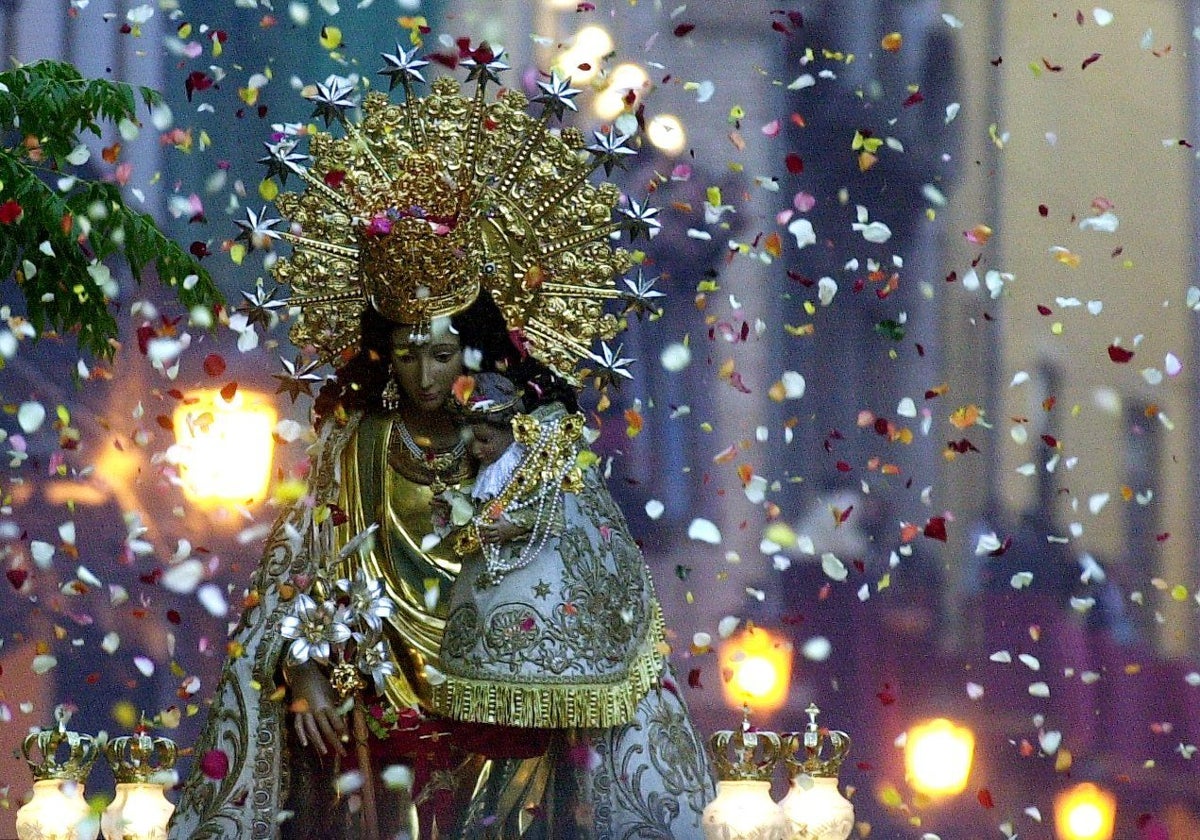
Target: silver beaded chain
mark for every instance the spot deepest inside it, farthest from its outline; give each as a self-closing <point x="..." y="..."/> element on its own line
<point x="422" y="454"/>
<point x="549" y="498"/>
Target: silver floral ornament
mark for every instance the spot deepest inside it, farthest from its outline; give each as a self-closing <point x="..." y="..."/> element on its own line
<point x="313" y="629"/>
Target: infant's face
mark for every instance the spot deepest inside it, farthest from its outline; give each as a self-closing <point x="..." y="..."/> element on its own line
<point x="488" y="442"/>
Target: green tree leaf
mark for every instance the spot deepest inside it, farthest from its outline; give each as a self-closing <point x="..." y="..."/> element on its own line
<point x="58" y="246"/>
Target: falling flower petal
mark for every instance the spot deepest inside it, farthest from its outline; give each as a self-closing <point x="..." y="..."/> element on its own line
<point x="802" y="229"/>
<point x="704" y="531"/>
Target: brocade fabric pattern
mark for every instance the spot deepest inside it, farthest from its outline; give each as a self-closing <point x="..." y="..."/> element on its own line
<point x="647" y="778"/>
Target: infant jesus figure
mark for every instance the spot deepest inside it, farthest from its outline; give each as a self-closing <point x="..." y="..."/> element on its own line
<point x="526" y="462"/>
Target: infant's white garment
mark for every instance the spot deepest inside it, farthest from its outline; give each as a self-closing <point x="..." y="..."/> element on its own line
<point x="492" y="479"/>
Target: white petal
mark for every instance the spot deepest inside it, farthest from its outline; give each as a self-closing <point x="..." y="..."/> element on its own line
<point x="833" y="567"/>
<point x="802" y="229"/>
<point x="42" y="553"/>
<point x="1103" y="17"/>
<point x="704" y="531"/>
<point x="79" y="155"/>
<point x="1106" y="222"/>
<point x="817" y="649"/>
<point x="213" y="600"/>
<point x="30" y="416"/>
<point x="183" y="578"/>
<point x="654" y="508"/>
<point x="756" y="489"/>
<point x="85" y="575"/>
<point x="827" y="287"/>
<point x="987" y="543"/>
<point x="675" y="357"/>
<point x="727" y="625"/>
<point x="793" y="385"/>
<point x="397" y="776"/>
<point x="145" y="665"/>
<point x="43" y="662"/>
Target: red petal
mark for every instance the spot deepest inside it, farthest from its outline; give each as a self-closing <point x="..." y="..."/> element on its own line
<point x="10" y="211"/>
<point x="214" y="364"/>
<point x="228" y="392"/>
<point x="935" y="528"/>
<point x="683" y="29"/>
<point x="795" y="163"/>
<point x="17" y="577"/>
<point x="1119" y="354"/>
<point x="214" y="764"/>
<point x="694" y="678"/>
<point x="985" y="798"/>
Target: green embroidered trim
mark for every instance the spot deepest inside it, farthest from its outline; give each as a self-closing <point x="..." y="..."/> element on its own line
<point x="558" y="705"/>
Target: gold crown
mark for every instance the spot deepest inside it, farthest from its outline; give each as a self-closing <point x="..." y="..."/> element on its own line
<point x="745" y="754"/>
<point x="805" y="751"/>
<point x="135" y="758"/>
<point x="41" y="752"/>
<point x="422" y="205"/>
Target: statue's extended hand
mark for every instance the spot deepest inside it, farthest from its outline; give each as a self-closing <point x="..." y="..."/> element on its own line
<point x="317" y="719"/>
<point x="501" y="531"/>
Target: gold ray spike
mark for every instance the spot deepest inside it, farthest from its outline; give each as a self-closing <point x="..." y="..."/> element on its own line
<point x="329" y="248"/>
<point x="535" y="327"/>
<point x="341" y="346"/>
<point x="537" y="132"/>
<point x="569" y="290"/>
<point x="319" y="300"/>
<point x="466" y="195"/>
<point x="333" y="196"/>
<point x="415" y="127"/>
<point x="574" y="240"/>
<point x="568" y="186"/>
<point x="363" y="146"/>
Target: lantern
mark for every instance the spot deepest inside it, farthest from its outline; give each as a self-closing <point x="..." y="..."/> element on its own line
<point x="139" y="811"/>
<point x="58" y="810"/>
<point x="814" y="807"/>
<point x="224" y="447"/>
<point x="743" y="808"/>
<point x="757" y="666"/>
<point x="938" y="756"/>
<point x="1085" y="812"/>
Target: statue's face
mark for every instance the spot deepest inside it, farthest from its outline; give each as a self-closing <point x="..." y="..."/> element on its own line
<point x="488" y="442"/>
<point x="426" y="371"/>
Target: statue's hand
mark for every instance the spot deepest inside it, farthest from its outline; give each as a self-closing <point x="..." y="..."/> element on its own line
<point x="315" y="713"/>
<point x="501" y="531"/>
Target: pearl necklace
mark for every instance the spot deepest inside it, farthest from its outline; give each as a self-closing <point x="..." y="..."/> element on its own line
<point x="436" y="464"/>
<point x="549" y="499"/>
